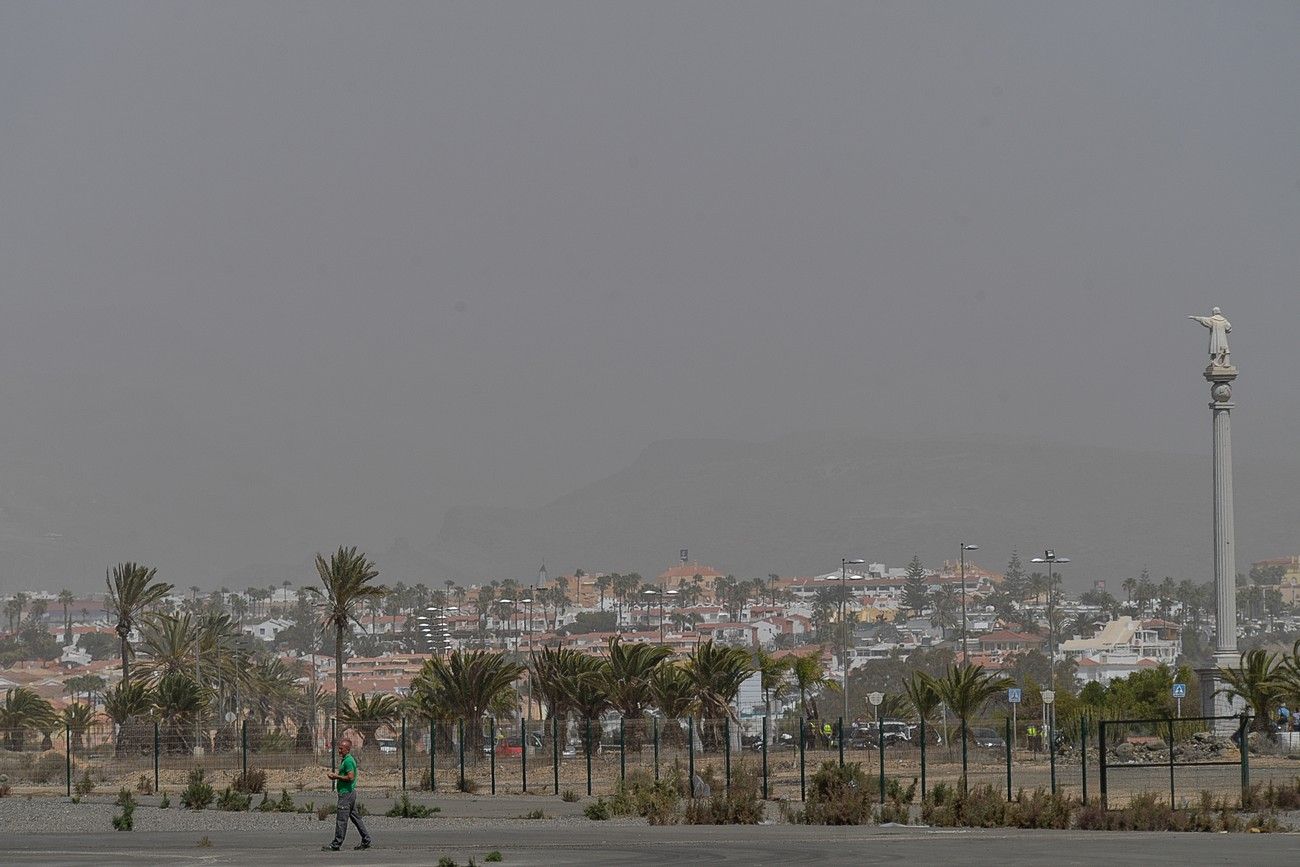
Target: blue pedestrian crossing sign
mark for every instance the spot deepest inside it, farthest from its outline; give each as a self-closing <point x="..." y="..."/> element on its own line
<point x="1180" y="690"/>
<point x="1013" y="695"/>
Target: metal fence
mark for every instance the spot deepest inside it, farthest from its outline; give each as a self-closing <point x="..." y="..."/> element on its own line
<point x="1106" y="759"/>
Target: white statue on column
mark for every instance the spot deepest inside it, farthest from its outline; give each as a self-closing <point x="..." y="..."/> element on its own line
<point x="1219" y="328"/>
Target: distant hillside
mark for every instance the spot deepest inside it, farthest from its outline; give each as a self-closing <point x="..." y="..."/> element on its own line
<point x="798" y="504"/>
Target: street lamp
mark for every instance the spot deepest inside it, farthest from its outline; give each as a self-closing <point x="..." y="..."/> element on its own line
<point x="1051" y="559"/>
<point x="964" y="549"/>
<point x="845" y="563"/>
<point x="661" y="594"/>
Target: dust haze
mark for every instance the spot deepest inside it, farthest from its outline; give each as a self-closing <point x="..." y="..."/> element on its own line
<point x="279" y="277"/>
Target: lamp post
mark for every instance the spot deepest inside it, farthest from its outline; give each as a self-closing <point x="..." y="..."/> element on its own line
<point x="1051" y="559"/>
<point x="528" y="707"/>
<point x="964" y="548"/>
<point x="661" y="594"/>
<point x="845" y="563"/>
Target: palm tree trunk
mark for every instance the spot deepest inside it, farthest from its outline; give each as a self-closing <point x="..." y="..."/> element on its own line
<point x="126" y="665"/>
<point x="338" y="682"/>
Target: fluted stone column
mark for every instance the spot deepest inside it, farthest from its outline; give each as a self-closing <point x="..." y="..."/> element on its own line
<point x="1220" y="378"/>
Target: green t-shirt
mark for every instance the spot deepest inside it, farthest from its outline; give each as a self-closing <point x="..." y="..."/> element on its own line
<point x="348" y="765"/>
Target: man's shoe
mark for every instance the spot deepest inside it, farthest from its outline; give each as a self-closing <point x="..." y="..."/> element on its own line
<point x="363" y="845"/>
<point x="329" y="848"/>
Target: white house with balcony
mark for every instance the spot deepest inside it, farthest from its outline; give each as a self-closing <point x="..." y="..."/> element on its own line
<point x="1122" y="647"/>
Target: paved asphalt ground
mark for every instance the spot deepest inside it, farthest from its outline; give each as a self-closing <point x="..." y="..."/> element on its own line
<point x="542" y="843"/>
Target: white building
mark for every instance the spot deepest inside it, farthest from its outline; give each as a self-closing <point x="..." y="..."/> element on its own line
<point x="1122" y="647"/>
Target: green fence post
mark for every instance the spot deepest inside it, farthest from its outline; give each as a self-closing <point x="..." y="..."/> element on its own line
<point x="881" y="745"/>
<point x="963" y="755"/>
<point x="690" y="753"/>
<point x="67" y="742"/>
<point x="1101" y="758"/>
<point x="157" y="742"/>
<point x="403" y="754"/>
<point x="588" y="756"/>
<point x="523" y="753"/>
<point x="1051" y="746"/>
<point x="243" y="748"/>
<point x="622" y="750"/>
<point x="803" y="787"/>
<point x="839" y="732"/>
<point x="433" y="755"/>
<point x="656" y="735"/>
<point x="922" y="758"/>
<point x="492" y="756"/>
<point x="1083" y="754"/>
<point x="1008" y="740"/>
<point x="1172" y="805"/>
<point x="555" y="749"/>
<point x="726" y="750"/>
<point x="765" y="787"/>
<point x="1245" y="756"/>
<point x="461" y="732"/>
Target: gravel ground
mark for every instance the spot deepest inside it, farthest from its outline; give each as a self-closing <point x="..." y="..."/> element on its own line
<point x="60" y="816"/>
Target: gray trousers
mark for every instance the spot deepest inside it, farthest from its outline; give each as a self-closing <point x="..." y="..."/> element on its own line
<point x="348" y="810"/>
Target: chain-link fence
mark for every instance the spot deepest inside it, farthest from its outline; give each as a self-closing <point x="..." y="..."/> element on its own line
<point x="1108" y="759"/>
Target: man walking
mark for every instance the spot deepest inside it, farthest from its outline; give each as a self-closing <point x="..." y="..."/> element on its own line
<point x="347" y="789"/>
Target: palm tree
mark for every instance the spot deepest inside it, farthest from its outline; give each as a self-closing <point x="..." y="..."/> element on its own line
<point x="23" y="709"/>
<point x="717" y="671"/>
<point x="78" y="718"/>
<point x="1260" y="680"/>
<point x="182" y="705"/>
<point x="628" y="672"/>
<point x="924" y="697"/>
<point x="773" y="675"/>
<point x="571" y="682"/>
<point x="464" y="685"/>
<point x="809" y="678"/>
<point x="131" y="590"/>
<point x="346" y="578"/>
<point x="65" y="599"/>
<point x="966" y="689"/>
<point x="365" y="715"/>
<point x="674" y="691"/>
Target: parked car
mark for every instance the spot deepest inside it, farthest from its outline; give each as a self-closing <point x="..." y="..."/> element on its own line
<point x="987" y="738"/>
<point x="867" y="736"/>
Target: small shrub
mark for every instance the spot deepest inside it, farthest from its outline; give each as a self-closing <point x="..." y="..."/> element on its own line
<point x="204" y="842"/>
<point x="405" y="808"/>
<point x="165" y="803"/>
<point x="251" y="783"/>
<point x="85" y="785"/>
<point x="198" y="793"/>
<point x="492" y="857"/>
<point x="467" y="785"/>
<point x="1041" y="809"/>
<point x="837" y="796"/>
<point x="444" y="861"/>
<point x="144" y="785"/>
<point x="568" y="796"/>
<point x="426" y="781"/>
<point x="598" y="810"/>
<point x="4" y="790"/>
<point x="233" y="801"/>
<point x="739" y="806"/>
<point x="47" y="768"/>
<point x="125" y="820"/>
<point x="309" y="807"/>
<point x="535" y="814"/>
<point x="323" y="813"/>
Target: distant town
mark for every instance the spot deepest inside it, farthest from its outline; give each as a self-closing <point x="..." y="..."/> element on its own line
<point x="865" y="625"/>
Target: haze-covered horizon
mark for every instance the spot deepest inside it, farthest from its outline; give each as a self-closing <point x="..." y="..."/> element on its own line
<point x="279" y="277"/>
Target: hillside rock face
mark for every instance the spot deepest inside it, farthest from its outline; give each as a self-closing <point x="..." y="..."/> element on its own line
<point x="796" y="505"/>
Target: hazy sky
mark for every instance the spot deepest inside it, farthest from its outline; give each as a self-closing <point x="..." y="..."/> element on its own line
<point x="355" y="262"/>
